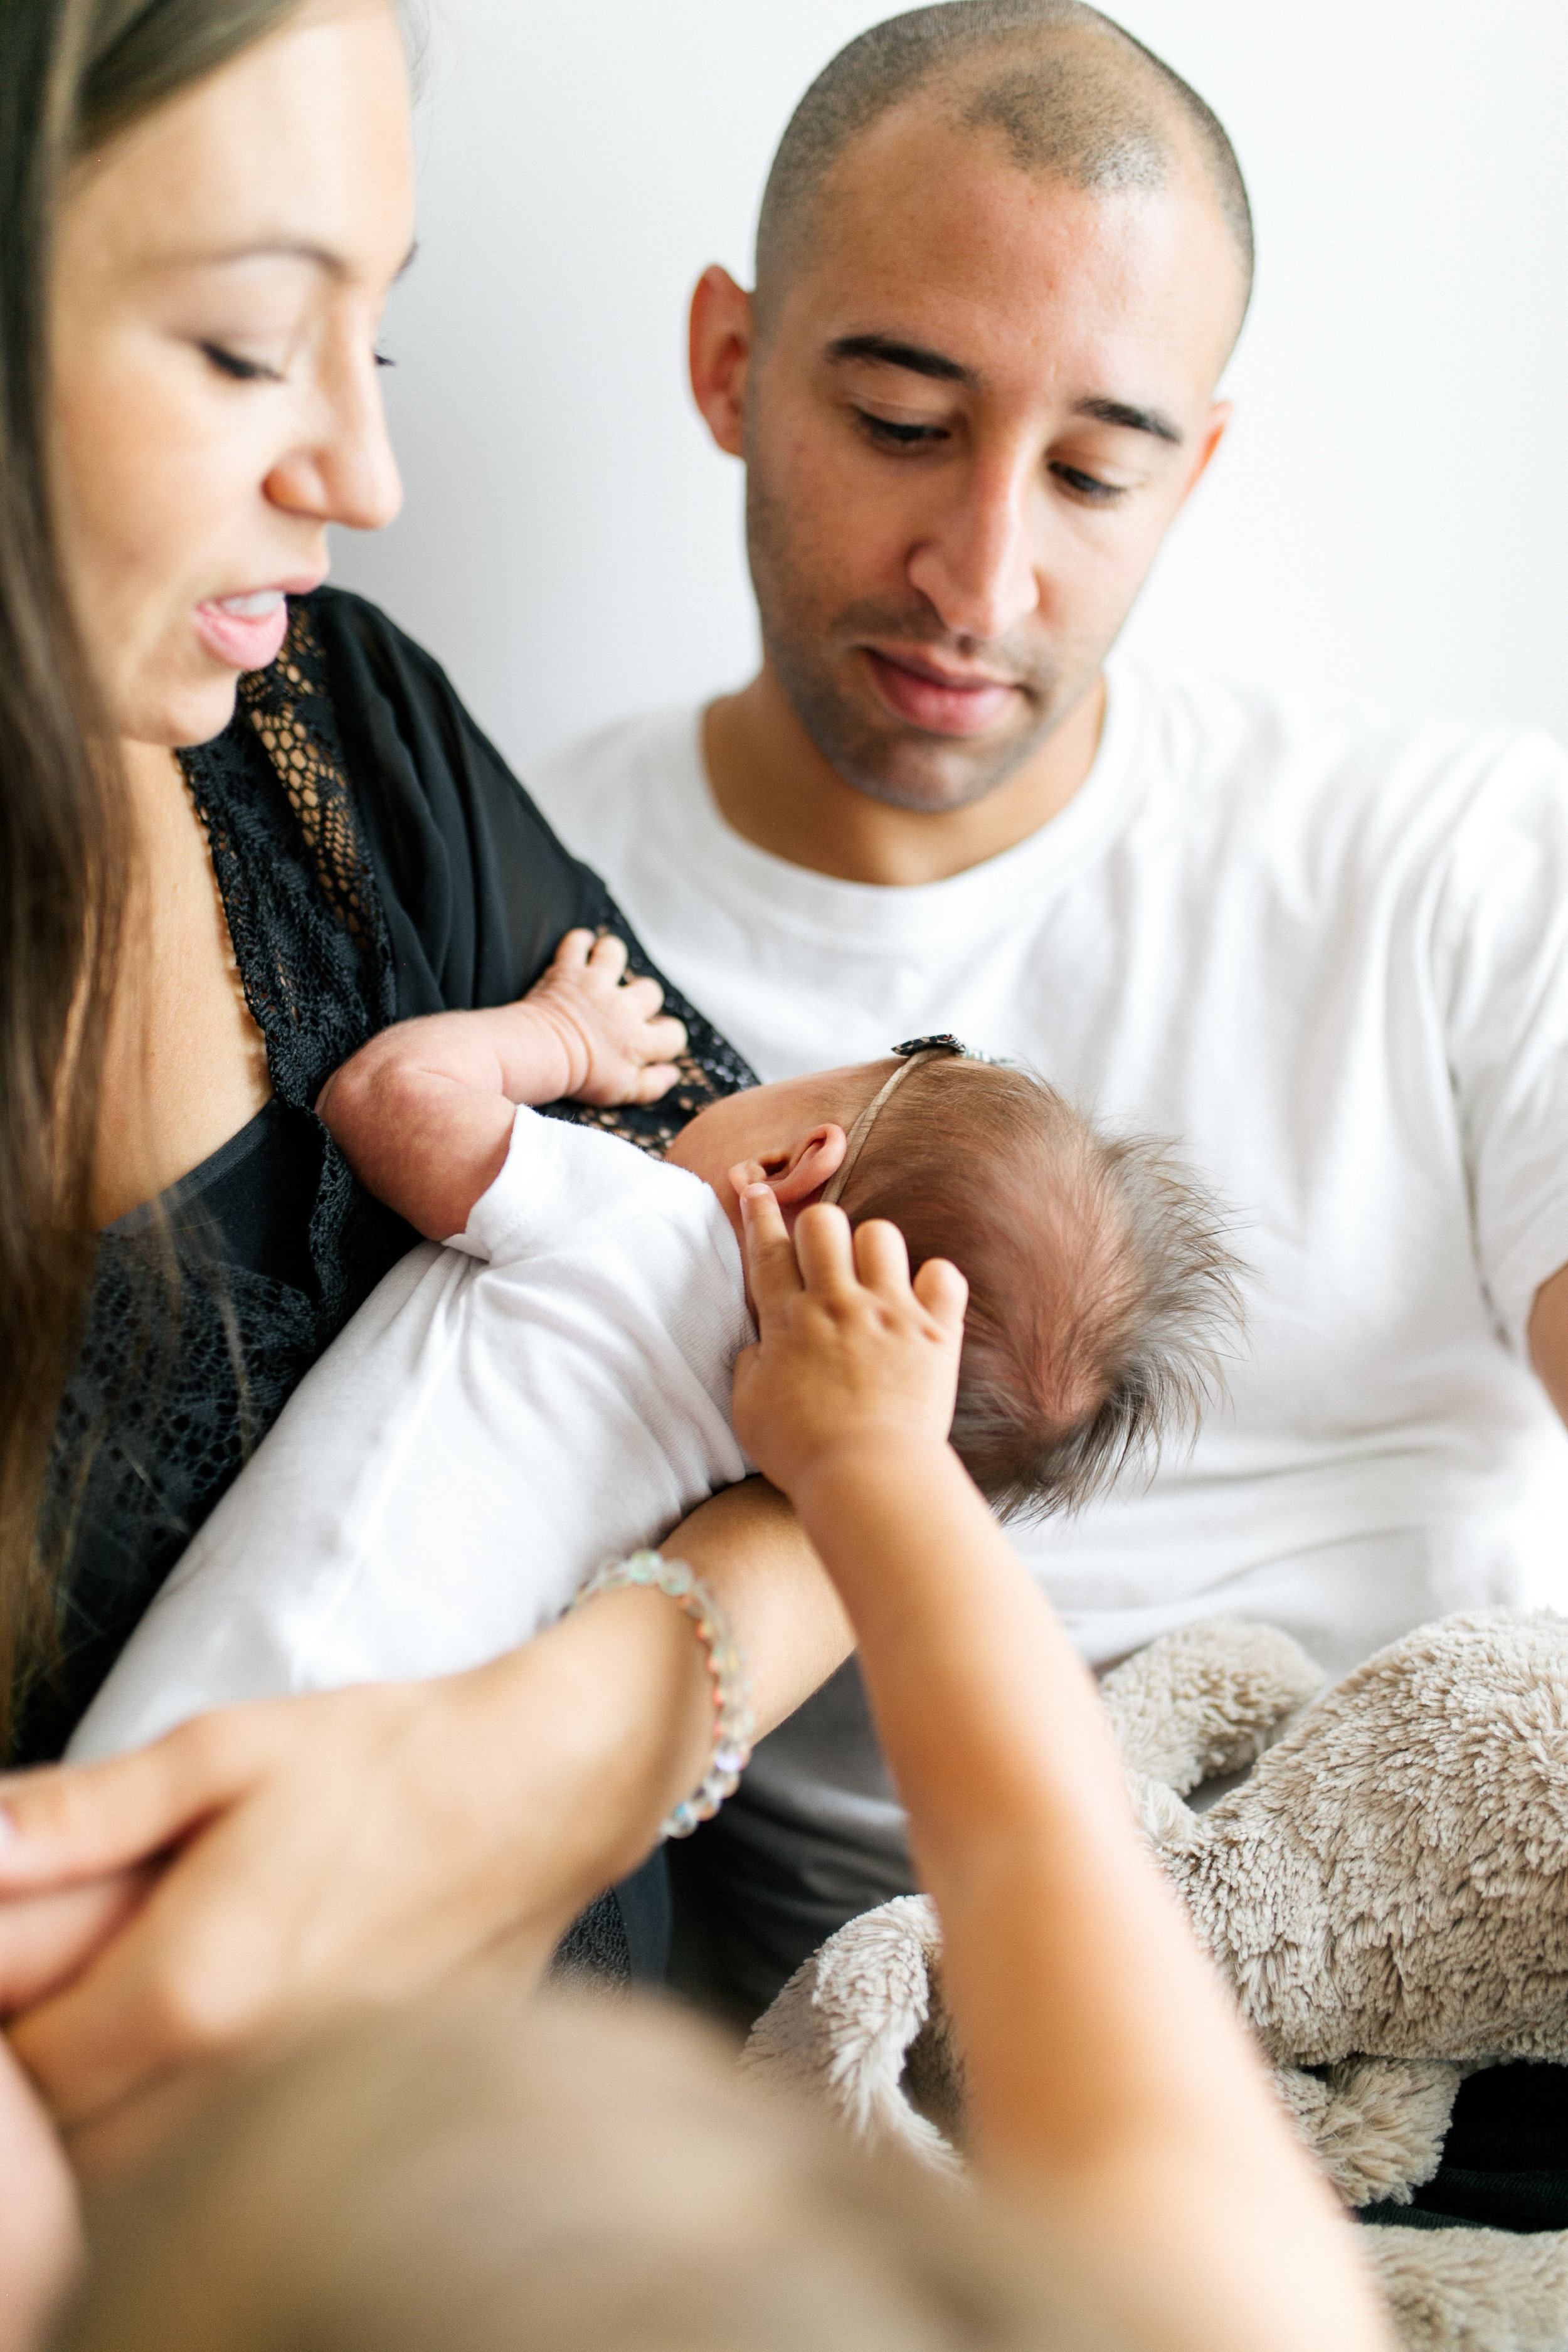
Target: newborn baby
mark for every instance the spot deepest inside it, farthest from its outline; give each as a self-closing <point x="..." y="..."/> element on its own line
<point x="550" y="1389"/>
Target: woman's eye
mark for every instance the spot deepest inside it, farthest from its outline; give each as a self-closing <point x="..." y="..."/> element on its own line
<point x="383" y="360"/>
<point x="1088" y="486"/>
<point x="239" y="370"/>
<point x="891" y="436"/>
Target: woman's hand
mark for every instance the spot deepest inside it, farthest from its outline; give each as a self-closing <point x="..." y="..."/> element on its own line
<point x="351" y="1847"/>
<point x="854" y="1359"/>
<point x="311" y="1853"/>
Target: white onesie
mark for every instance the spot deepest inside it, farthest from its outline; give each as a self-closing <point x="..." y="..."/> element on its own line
<point x="500" y="1418"/>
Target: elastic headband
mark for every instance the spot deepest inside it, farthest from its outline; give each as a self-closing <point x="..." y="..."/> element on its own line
<point x="915" y="1050"/>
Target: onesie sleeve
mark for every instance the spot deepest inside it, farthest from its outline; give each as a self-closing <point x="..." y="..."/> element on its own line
<point x="559" y="1181"/>
<point x="1500" y="965"/>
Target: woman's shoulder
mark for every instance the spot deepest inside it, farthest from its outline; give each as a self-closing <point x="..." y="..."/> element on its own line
<point x="475" y="886"/>
<point x="366" y="652"/>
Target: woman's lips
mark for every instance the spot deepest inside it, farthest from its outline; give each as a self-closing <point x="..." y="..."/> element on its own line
<point x="245" y="631"/>
<point x="939" y="706"/>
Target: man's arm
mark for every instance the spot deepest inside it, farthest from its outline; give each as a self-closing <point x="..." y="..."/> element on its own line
<point x="1548" y="1338"/>
<point x="424" y="1113"/>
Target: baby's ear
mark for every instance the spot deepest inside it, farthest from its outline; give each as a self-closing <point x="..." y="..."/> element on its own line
<point x="809" y="1164"/>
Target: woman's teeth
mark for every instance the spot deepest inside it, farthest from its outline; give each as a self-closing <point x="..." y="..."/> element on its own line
<point x="251" y="608"/>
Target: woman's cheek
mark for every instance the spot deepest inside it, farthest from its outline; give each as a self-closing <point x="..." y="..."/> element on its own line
<point x="155" y="490"/>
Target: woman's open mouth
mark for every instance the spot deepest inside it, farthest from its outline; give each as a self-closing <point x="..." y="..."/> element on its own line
<point x="247" y="632"/>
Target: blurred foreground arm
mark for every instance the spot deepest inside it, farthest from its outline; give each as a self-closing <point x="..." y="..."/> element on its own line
<point x="360" y="1845"/>
<point x="1107" y="2075"/>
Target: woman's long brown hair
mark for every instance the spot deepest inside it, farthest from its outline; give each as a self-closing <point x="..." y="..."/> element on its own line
<point x="73" y="73"/>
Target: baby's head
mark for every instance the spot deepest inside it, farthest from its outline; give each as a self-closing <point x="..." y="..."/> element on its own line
<point x="1102" y="1298"/>
<point x="580" y="2176"/>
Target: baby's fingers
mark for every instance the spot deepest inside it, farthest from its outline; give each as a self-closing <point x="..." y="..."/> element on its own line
<point x="653" y="1083"/>
<point x="608" y="957"/>
<point x="882" y="1258"/>
<point x="663" y="1040"/>
<point x="772" y="1272"/>
<point x="575" y="950"/>
<point x="824" y="1245"/>
<point x="943" y="1292"/>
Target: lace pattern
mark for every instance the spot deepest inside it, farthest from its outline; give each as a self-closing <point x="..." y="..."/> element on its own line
<point x="185" y="1362"/>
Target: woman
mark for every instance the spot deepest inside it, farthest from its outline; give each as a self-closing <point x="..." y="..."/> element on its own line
<point x="206" y="208"/>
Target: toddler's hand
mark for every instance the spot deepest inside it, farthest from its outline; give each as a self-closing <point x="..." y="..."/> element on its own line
<point x="619" y="1048"/>
<point x="854" y="1358"/>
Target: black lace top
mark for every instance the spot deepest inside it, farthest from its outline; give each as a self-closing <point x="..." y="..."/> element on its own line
<point x="376" y="860"/>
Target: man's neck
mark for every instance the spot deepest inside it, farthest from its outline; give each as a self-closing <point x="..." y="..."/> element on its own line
<point x="773" y="787"/>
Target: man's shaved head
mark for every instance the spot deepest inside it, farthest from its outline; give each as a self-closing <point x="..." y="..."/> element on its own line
<point x="1073" y="95"/>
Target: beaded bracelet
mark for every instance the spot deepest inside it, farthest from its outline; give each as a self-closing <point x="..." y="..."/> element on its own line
<point x="734" y="1724"/>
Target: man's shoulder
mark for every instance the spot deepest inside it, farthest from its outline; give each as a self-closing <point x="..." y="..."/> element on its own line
<point x="636" y="763"/>
<point x="1211" y="736"/>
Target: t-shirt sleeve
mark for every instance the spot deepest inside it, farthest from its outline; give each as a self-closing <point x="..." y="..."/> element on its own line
<point x="1501" y="941"/>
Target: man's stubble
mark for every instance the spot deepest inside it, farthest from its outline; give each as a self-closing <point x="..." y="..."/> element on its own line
<point x="806" y="642"/>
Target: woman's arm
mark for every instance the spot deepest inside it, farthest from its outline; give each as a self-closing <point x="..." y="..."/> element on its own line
<point x="1108" y="2077"/>
<point x="423" y="1113"/>
<point x="358" y="1845"/>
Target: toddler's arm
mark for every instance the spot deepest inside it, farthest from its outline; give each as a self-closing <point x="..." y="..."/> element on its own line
<point x="1108" y="2077"/>
<point x="424" y="1113"/>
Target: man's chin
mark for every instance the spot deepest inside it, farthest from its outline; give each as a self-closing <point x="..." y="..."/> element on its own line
<point x="929" y="778"/>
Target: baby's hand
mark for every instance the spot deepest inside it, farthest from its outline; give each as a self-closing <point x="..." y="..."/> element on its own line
<point x="854" y="1360"/>
<point x="619" y="1048"/>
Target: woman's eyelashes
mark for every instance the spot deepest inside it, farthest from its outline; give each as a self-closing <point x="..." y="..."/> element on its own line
<point x="239" y="369"/>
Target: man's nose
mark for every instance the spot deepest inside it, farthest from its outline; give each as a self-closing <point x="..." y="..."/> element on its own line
<point x="977" y="566"/>
<point x="345" y="471"/>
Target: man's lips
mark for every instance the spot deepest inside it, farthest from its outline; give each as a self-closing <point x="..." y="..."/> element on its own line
<point x="246" y="631"/>
<point x="940" y="701"/>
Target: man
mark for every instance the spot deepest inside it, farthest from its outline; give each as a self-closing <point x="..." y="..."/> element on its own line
<point x="1003" y="258"/>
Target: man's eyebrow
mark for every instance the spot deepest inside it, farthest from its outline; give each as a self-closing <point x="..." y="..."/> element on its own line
<point x="886" y="351"/>
<point x="1132" y="419"/>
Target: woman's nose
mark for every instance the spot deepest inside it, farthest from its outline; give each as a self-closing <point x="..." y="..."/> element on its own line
<point x="345" y="472"/>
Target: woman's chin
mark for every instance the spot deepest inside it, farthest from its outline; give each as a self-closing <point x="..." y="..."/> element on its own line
<point x="192" y="712"/>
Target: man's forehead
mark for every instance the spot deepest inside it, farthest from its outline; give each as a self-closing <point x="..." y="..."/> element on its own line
<point x="936" y="240"/>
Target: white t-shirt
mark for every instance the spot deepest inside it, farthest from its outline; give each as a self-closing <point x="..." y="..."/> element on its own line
<point x="1332" y="956"/>
<point x="498" y="1418"/>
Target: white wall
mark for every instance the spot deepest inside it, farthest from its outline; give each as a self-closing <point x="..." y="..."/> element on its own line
<point x="1389" y="521"/>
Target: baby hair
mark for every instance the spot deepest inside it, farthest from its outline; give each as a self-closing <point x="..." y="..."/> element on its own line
<point x="1103" y="1301"/>
<point x="582" y="2173"/>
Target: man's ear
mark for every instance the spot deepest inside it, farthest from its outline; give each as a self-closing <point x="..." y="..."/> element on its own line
<point x="1216" y="424"/>
<point x="797" y="1176"/>
<point x="720" y="347"/>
